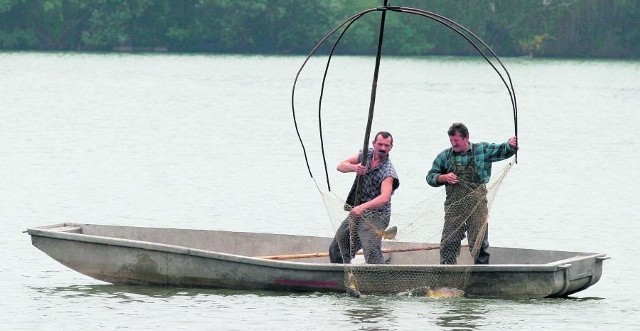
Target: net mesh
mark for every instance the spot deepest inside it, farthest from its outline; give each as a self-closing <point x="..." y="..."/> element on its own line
<point x="448" y="227"/>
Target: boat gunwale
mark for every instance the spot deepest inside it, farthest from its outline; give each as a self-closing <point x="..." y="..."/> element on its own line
<point x="50" y="232"/>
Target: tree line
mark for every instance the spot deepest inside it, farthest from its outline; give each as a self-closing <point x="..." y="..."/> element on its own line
<point x="540" y="28"/>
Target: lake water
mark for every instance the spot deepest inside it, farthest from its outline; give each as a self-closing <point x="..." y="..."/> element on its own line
<point x="208" y="142"/>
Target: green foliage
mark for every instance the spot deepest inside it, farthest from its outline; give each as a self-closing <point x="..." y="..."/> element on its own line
<point x="534" y="45"/>
<point x="7" y="5"/>
<point x="18" y="39"/>
<point x="570" y="28"/>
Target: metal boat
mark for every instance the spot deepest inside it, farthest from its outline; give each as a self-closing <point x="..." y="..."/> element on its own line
<point x="282" y="262"/>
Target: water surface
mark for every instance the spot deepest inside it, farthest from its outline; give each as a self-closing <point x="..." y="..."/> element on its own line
<point x="207" y="142"/>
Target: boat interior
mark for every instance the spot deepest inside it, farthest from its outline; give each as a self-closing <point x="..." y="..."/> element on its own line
<point x="298" y="248"/>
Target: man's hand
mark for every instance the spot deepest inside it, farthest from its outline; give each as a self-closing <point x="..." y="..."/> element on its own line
<point x="357" y="211"/>
<point x="449" y="178"/>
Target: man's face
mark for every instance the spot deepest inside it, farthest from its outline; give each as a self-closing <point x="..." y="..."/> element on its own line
<point x="459" y="144"/>
<point x="382" y="146"/>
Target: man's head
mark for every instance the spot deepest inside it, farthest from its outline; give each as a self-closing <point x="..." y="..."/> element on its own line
<point x="382" y="144"/>
<point x="459" y="137"/>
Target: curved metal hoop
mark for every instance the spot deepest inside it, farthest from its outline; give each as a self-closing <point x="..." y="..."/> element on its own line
<point x="476" y="42"/>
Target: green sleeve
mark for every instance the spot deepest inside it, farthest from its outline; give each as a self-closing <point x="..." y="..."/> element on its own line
<point x="438" y="168"/>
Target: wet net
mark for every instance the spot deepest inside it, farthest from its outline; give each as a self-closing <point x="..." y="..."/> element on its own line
<point x="416" y="242"/>
<point x="432" y="247"/>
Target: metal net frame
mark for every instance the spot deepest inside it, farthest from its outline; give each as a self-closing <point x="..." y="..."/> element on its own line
<point x="409" y="267"/>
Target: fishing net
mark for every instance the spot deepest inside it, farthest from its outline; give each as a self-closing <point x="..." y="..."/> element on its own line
<point x="412" y="241"/>
<point x="428" y="234"/>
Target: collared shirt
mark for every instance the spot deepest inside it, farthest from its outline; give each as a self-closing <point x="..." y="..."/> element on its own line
<point x="372" y="180"/>
<point x="485" y="154"/>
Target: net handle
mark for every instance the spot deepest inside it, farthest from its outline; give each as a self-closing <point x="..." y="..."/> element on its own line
<point x="372" y="102"/>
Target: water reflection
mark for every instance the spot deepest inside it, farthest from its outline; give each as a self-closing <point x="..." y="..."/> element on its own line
<point x="371" y="313"/>
<point x="119" y="292"/>
<point x="471" y="314"/>
<point x="585" y="298"/>
<point x="133" y="293"/>
<point x="462" y="315"/>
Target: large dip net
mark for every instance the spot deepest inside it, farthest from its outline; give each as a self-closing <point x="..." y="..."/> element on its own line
<point x="430" y="248"/>
<point x="411" y="242"/>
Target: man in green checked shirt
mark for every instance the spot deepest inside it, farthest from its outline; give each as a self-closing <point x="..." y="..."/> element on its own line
<point x="464" y="169"/>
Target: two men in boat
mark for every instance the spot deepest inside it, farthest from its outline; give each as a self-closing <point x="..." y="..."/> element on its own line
<point x="370" y="215"/>
<point x="464" y="169"/>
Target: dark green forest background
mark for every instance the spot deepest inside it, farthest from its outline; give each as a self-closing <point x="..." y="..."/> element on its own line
<point x="540" y="28"/>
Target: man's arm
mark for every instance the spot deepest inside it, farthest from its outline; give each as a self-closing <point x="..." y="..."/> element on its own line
<point x="499" y="152"/>
<point x="386" y="189"/>
<point x="437" y="175"/>
<point x="352" y="164"/>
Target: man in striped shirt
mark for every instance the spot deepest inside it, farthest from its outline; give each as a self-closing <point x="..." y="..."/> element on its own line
<point x="370" y="215"/>
<point x="464" y="169"/>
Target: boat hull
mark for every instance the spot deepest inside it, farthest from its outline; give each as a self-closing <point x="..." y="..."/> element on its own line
<point x="235" y="260"/>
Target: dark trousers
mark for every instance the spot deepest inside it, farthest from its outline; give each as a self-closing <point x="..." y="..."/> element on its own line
<point x="465" y="215"/>
<point x="450" y="249"/>
<point x="344" y="246"/>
